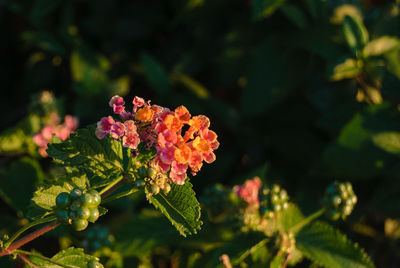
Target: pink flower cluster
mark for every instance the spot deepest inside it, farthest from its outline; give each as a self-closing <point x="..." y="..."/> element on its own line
<point x="60" y="130"/>
<point x="249" y="191"/>
<point x="161" y="128"/>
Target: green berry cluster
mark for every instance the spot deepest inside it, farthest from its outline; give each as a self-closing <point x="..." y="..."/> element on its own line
<point x="152" y="180"/>
<point x="339" y="200"/>
<point x="97" y="237"/>
<point x="78" y="208"/>
<point x="287" y="243"/>
<point x="272" y="199"/>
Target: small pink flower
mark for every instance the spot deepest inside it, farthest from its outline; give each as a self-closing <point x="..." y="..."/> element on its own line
<point x="39" y="140"/>
<point x="106" y="123"/>
<point x="47" y="132"/>
<point x="161" y="165"/>
<point x="177" y="178"/>
<point x="131" y="140"/>
<point x="178" y="168"/>
<point x="195" y="162"/>
<point x="71" y="122"/>
<point x="62" y="132"/>
<point x="117" y="130"/>
<point x="167" y="154"/>
<point x="137" y="103"/>
<point x="100" y="134"/>
<point x="119" y="109"/>
<point x="166" y="137"/>
<point x="116" y="100"/>
<point x="249" y="191"/>
<point x="209" y="157"/>
<point x="130" y="126"/>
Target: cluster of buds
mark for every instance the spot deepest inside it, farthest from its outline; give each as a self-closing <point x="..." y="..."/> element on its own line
<point x="159" y="127"/>
<point x="248" y="192"/>
<point x="287" y="243"/>
<point x="339" y="200"/>
<point x="272" y="200"/>
<point x="53" y="126"/>
<point x="97" y="237"/>
<point x="152" y="181"/>
<point x="78" y="208"/>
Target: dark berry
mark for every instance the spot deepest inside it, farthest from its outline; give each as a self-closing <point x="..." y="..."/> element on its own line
<point x="76" y="193"/>
<point x="75" y="205"/>
<point x="142" y="172"/>
<point x="62" y="200"/>
<point x="63" y="216"/>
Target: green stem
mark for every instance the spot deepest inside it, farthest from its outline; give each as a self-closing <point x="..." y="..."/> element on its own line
<point x="296" y="228"/>
<point x="251" y="250"/>
<point x="40" y="257"/>
<point x="119" y="195"/>
<point x="28" y="226"/>
<point x="108" y="187"/>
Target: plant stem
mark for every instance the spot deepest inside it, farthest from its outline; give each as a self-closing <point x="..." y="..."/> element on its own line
<point x="296" y="228"/>
<point x="26" y="227"/>
<point x="119" y="195"/>
<point x="26" y="260"/>
<point x="105" y="190"/>
<point x="251" y="250"/>
<point x="29" y="237"/>
<point x="40" y="257"/>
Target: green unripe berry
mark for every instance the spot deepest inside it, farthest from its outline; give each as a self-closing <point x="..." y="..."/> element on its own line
<point x="336" y="200"/>
<point x="265" y="191"/>
<point x="62" y="200"/>
<point x="353" y="199"/>
<point x="285" y="205"/>
<point x="75" y="205"/>
<point x="167" y="188"/>
<point x="283" y="195"/>
<point x="140" y="183"/>
<point x="87" y="200"/>
<point x="94" y="264"/>
<point x="63" y="216"/>
<point x="79" y="224"/>
<point x="347" y="210"/>
<point x="75" y="193"/>
<point x="142" y="172"/>
<point x="73" y="215"/>
<point x="154" y="189"/>
<point x="96" y="197"/>
<point x="151" y="172"/>
<point x="333" y="214"/>
<point x="276" y="188"/>
<point x="274" y="198"/>
<point x="94" y="215"/>
<point x="83" y="213"/>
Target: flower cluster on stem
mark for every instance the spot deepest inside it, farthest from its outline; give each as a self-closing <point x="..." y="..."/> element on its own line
<point x="182" y="141"/>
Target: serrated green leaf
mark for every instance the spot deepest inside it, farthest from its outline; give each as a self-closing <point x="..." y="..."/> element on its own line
<point x="347" y="69"/>
<point x="355" y="33"/>
<point x="44" y="198"/>
<point x="101" y="160"/>
<point x="328" y="247"/>
<point x="181" y="207"/>
<point x="71" y="257"/>
<point x="381" y="45"/>
<point x="290" y="217"/>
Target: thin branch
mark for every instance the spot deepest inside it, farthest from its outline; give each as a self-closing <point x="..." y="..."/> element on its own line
<point x="119" y="195"/>
<point x="26" y="260"/>
<point x="40" y="257"/>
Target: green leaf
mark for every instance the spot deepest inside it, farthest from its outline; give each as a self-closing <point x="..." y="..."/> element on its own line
<point x="25" y="172"/>
<point x="101" y="160"/>
<point x="355" y="33"/>
<point x="290" y="217"/>
<point x="71" y="257"/>
<point x="381" y="45"/>
<point x="155" y="74"/>
<point x="347" y="69"/>
<point x="295" y="15"/>
<point x="264" y="8"/>
<point x="181" y="207"/>
<point x="328" y="247"/>
<point x="388" y="141"/>
<point x="44" y="198"/>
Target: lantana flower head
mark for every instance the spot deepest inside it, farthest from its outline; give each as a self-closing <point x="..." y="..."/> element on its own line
<point x="249" y="191"/>
<point x="177" y="150"/>
<point x="62" y="131"/>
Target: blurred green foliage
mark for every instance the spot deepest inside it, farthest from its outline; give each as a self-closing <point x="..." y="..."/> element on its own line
<point x="310" y="87"/>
